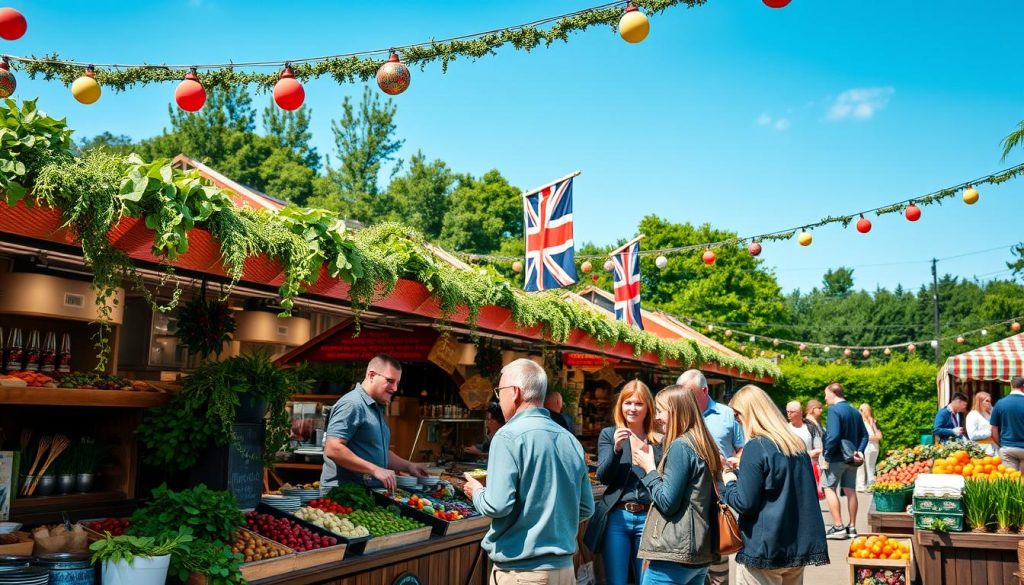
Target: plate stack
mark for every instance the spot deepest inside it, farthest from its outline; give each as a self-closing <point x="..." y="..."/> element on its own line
<point x="304" y="495"/>
<point x="407" y="482"/>
<point x="429" y="482"/>
<point x="287" y="504"/>
<point x="24" y="575"/>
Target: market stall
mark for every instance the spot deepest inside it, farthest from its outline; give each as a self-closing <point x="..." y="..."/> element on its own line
<point x="987" y="368"/>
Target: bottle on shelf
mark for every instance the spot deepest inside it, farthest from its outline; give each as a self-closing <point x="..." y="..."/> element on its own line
<point x="13" y="355"/>
<point x="48" y="356"/>
<point x="32" y="352"/>
<point x="64" y="357"/>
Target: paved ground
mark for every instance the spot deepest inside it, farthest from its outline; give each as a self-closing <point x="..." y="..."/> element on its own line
<point x="838" y="572"/>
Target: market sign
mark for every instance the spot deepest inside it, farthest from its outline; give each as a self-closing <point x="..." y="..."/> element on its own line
<point x="586" y="359"/>
<point x="404" y="346"/>
<point x="609" y="375"/>
<point x="445" y="353"/>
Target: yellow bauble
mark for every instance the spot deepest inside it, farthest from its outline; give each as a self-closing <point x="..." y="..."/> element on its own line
<point x="970" y="196"/>
<point x="86" y="90"/>
<point x="634" y="26"/>
<point x="805" y="238"/>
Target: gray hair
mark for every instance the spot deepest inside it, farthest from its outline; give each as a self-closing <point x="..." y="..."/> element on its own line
<point x="530" y="377"/>
<point x="691" y="377"/>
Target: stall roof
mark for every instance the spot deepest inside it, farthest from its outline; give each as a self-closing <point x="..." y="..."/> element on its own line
<point x="995" y="362"/>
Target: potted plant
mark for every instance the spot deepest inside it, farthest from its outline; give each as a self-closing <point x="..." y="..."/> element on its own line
<point x="205" y="411"/>
<point x="137" y="560"/>
<point x="889" y="496"/>
<point x="64" y="468"/>
<point x="89" y="456"/>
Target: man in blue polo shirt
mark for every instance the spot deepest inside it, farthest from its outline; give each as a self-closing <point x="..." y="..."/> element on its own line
<point x="358" y="440"/>
<point x="728" y="434"/>
<point x="1008" y="425"/>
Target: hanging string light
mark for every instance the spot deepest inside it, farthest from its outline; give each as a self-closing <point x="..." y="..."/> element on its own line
<point x="708" y="257"/>
<point x="912" y="212"/>
<point x="609" y="266"/>
<point x="7" y="81"/>
<point x="12" y="24"/>
<point x="393" y="76"/>
<point x="776" y="3"/>
<point x="586" y="266"/>
<point x="661" y="262"/>
<point x="754" y="248"/>
<point x="970" y="195"/>
<point x="190" y="95"/>
<point x="86" y="90"/>
<point x="633" y="26"/>
<point x="805" y="238"/>
<point x="863" y="224"/>
<point x="288" y="92"/>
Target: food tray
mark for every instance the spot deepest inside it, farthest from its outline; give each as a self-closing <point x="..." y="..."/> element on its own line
<point x="321" y="555"/>
<point x="933" y="505"/>
<point x="953" y="522"/>
<point x="440" y="526"/>
<point x="269" y="567"/>
<point x="398" y="539"/>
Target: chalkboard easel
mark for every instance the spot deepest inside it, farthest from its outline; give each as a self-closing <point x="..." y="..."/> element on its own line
<point x="237" y="467"/>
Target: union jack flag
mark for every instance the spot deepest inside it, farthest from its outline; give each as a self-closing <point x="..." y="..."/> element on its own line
<point x="627" y="285"/>
<point x="547" y="217"/>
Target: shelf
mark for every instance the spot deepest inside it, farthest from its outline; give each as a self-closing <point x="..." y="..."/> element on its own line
<point x="25" y="504"/>
<point x="82" y="397"/>
<point x="315" y="397"/>
<point x="307" y="466"/>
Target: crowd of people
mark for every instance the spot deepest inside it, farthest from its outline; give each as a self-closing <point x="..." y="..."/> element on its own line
<point x="677" y="465"/>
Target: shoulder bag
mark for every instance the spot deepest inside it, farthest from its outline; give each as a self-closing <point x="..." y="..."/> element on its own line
<point x="730" y="541"/>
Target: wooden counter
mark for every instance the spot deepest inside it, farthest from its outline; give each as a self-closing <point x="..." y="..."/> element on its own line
<point x="456" y="560"/>
<point x="966" y="558"/>
<point x="890" y="522"/>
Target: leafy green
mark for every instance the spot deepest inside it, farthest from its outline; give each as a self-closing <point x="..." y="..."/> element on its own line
<point x="127" y="547"/>
<point x="213" y="559"/>
<point x="352" y="496"/>
<point x="211" y="515"/>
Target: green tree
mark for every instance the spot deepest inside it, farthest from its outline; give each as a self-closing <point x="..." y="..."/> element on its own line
<point x="292" y="131"/>
<point x="736" y="289"/>
<point x="115" y="144"/>
<point x="364" y="139"/>
<point x="482" y="213"/>
<point x="1017" y="265"/>
<point x="838" y="282"/>
<point x="420" y="197"/>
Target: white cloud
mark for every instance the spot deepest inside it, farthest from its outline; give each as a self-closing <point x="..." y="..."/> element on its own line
<point x="770" y="122"/>
<point x="764" y="120"/>
<point x="781" y="123"/>
<point x="860" y="103"/>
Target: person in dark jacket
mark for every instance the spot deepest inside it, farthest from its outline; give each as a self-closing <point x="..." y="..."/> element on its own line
<point x="951" y="419"/>
<point x="775" y="497"/>
<point x="844" y="426"/>
<point x="619" y="519"/>
<point x="681" y="528"/>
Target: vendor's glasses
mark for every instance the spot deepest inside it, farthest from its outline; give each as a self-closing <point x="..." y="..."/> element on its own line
<point x="391" y="381"/>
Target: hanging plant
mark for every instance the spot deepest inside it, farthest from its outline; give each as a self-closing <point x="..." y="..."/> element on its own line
<point x="204" y="326"/>
<point x="488" y="359"/>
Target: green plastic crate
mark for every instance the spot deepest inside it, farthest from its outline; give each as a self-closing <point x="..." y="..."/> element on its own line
<point x="941" y="505"/>
<point x="953" y="522"/>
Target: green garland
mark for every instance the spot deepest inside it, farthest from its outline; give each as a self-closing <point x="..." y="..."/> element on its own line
<point x="352" y="68"/>
<point x="95" y="192"/>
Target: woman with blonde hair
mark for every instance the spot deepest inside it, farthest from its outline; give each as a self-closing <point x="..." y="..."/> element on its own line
<point x="620" y="515"/>
<point x="678" y="535"/>
<point x="978" y="427"/>
<point x="866" y="472"/>
<point x="774" y="496"/>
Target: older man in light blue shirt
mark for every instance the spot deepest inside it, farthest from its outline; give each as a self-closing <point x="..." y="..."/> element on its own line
<point x="721" y="422"/>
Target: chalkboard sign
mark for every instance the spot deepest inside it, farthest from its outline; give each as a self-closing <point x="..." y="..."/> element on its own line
<point x="245" y="465"/>
<point x="237" y="467"/>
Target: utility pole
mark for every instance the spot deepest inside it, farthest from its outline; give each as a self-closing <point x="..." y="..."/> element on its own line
<point x="935" y="304"/>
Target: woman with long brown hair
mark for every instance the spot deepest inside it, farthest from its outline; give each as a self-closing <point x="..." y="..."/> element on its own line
<point x="621" y="514"/>
<point x="775" y="497"/>
<point x="678" y="535"/>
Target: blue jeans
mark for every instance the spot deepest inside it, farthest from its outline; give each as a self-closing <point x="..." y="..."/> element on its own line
<point x="666" y="573"/>
<point x="621" y="545"/>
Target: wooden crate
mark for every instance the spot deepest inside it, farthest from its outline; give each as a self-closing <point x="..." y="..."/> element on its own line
<point x="321" y="556"/>
<point x="268" y="567"/>
<point x="908" y="564"/>
<point x="344" y="546"/>
<point x="440" y="526"/>
<point x="966" y="558"/>
<point x="396" y="540"/>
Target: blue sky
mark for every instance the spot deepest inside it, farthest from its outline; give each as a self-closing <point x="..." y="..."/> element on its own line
<point x="748" y="118"/>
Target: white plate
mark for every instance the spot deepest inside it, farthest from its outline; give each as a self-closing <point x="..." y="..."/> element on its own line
<point x="8" y="527"/>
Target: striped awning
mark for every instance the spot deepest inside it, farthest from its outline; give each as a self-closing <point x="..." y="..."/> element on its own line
<point x="1001" y="360"/>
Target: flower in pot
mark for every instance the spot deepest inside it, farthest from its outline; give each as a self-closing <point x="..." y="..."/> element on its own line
<point x="137" y="560"/>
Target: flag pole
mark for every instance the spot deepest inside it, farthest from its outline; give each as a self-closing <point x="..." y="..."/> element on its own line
<point x="546" y="185"/>
<point x="627" y="244"/>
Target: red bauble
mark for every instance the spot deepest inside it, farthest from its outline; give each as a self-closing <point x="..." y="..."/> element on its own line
<point x="863" y="225"/>
<point x="190" y="94"/>
<point x="1015" y="326"/>
<point x="12" y="24"/>
<point x="288" y="92"/>
<point x="393" y="76"/>
<point x="912" y="213"/>
<point x="776" y="3"/>
<point x="708" y="257"/>
<point x="586" y="266"/>
<point x="7" y="81"/>
<point x="595" y="277"/>
<point x="754" y="248"/>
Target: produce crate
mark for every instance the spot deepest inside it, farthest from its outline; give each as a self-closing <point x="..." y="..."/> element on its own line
<point x="321" y="555"/>
<point x="440" y="526"/>
<point x="269" y="567"/>
<point x="930" y="505"/>
<point x="890" y="501"/>
<point x="953" y="522"/>
<point x="908" y="566"/>
<point x="896" y="571"/>
<point x="382" y="543"/>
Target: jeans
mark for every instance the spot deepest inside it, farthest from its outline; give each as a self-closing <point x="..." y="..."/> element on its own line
<point x="621" y="545"/>
<point x="667" y="573"/>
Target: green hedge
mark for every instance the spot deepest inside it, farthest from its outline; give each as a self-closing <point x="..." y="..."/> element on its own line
<point x="901" y="392"/>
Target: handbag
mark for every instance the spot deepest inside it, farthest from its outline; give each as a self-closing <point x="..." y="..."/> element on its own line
<point x="730" y="541"/>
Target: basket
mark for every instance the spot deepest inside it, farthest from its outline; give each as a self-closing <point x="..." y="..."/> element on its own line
<point x="890" y="501"/>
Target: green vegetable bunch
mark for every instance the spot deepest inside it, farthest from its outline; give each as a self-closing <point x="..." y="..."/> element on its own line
<point x="128" y="547"/>
<point x="211" y="515"/>
<point x="352" y="496"/>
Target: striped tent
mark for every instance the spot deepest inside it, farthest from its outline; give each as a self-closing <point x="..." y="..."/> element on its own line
<point x="995" y="362"/>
